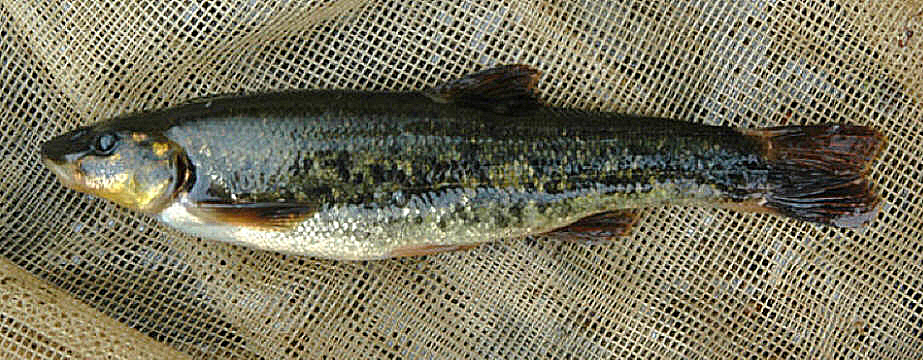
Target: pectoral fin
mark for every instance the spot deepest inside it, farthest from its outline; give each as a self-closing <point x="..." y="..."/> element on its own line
<point x="597" y="227"/>
<point x="507" y="89"/>
<point x="272" y="216"/>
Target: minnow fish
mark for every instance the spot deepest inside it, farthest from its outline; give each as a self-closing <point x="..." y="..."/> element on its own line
<point x="370" y="175"/>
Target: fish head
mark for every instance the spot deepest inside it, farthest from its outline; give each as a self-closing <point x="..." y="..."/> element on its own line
<point x="136" y="169"/>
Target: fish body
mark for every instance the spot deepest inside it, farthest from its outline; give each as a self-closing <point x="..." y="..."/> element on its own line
<point x="371" y="175"/>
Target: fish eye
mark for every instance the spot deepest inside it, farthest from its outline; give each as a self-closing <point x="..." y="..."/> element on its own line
<point x="105" y="143"/>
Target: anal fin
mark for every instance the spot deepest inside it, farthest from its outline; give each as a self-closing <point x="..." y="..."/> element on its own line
<point x="273" y="216"/>
<point x="507" y="89"/>
<point x="602" y="226"/>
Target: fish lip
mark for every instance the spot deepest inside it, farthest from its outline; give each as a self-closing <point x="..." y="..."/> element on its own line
<point x="58" y="156"/>
<point x="62" y="170"/>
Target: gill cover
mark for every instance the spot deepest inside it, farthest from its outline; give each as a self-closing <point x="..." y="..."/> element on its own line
<point x="138" y="170"/>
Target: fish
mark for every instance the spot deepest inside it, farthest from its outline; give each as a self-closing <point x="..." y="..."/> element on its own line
<point x="361" y="175"/>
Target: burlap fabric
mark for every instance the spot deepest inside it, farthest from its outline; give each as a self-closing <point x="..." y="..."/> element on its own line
<point x="689" y="282"/>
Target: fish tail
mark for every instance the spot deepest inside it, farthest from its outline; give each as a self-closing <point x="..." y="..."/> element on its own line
<point x="817" y="173"/>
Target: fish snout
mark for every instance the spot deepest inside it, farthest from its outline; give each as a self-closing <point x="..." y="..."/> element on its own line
<point x="65" y="148"/>
<point x="61" y="155"/>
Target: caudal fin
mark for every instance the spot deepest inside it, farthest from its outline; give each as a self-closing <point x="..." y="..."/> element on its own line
<point x="817" y="172"/>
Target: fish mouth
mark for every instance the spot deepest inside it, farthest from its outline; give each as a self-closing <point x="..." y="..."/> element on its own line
<point x="66" y="172"/>
<point x="61" y="155"/>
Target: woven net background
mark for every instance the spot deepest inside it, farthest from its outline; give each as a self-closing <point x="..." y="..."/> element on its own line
<point x="80" y="277"/>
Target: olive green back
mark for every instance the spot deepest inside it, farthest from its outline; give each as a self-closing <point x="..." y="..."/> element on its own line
<point x="332" y="147"/>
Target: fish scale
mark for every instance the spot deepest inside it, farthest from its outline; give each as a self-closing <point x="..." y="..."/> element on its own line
<point x="369" y="175"/>
<point x="458" y="183"/>
<point x="259" y="155"/>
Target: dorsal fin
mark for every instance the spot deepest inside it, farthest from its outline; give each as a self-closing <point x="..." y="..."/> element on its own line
<point x="506" y="89"/>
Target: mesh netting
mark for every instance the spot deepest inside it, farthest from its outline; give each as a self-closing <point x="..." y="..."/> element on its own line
<point x="688" y="282"/>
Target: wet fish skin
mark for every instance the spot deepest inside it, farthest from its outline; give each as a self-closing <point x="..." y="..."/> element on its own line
<point x="369" y="175"/>
<point x="365" y="145"/>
